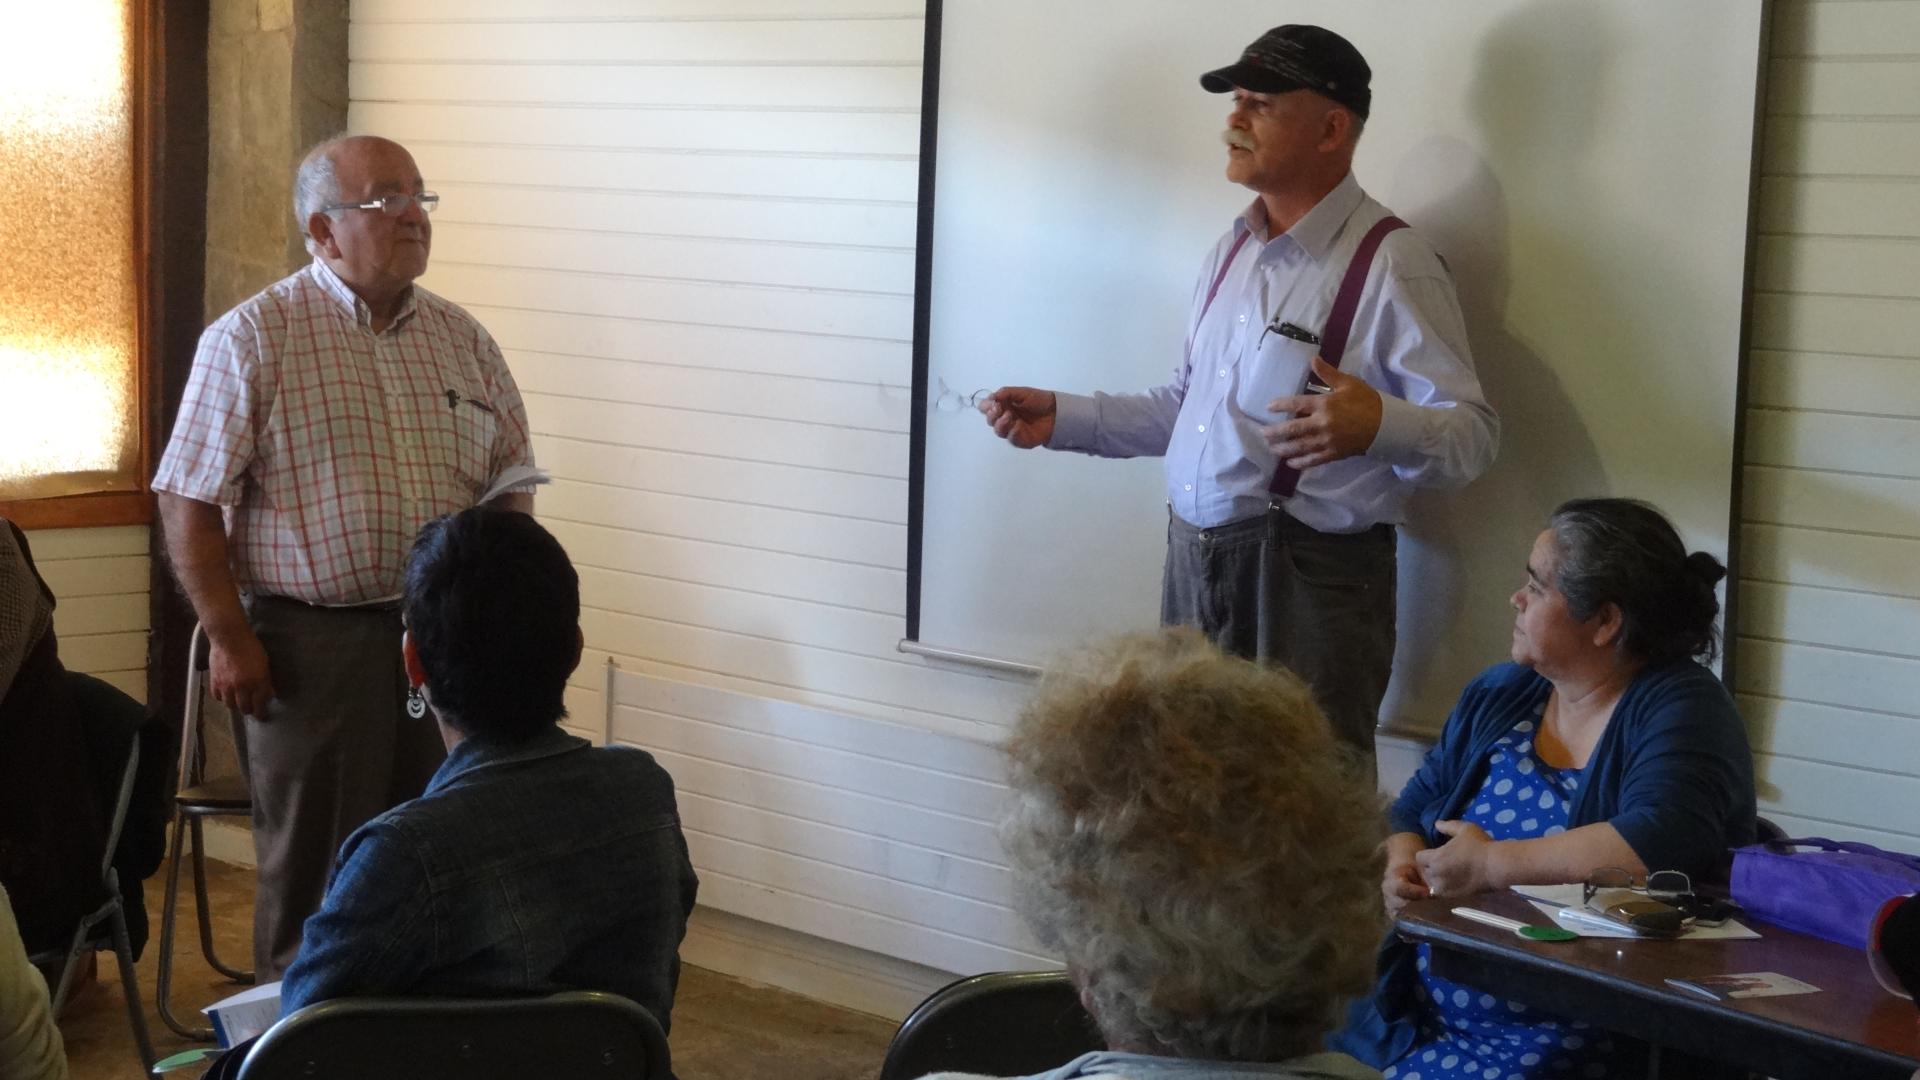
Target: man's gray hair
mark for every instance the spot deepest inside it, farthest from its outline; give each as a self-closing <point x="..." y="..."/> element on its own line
<point x="1188" y="835"/>
<point x="316" y="183"/>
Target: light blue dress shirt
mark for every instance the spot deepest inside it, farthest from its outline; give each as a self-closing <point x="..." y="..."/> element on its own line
<point x="1408" y="341"/>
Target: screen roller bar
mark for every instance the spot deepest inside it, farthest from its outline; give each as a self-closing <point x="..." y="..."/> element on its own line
<point x="993" y="664"/>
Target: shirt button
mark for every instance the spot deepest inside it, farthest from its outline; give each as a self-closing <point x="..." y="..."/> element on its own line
<point x="1189" y="487"/>
<point x="1203" y="427"/>
<point x="1243" y="318"/>
<point x="1223" y="373"/>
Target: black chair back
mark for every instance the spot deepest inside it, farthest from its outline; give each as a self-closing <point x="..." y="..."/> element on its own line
<point x="578" y="1035"/>
<point x="1004" y="1023"/>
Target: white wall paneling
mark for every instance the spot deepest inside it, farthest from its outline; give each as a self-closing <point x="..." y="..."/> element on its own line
<point x="690" y="225"/>
<point x="1829" y="623"/>
<point x="99" y="580"/>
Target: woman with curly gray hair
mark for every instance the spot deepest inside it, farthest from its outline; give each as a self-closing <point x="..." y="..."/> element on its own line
<point x="1187" y="834"/>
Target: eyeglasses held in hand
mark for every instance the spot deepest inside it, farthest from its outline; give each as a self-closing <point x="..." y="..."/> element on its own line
<point x="390" y="205"/>
<point x="947" y="399"/>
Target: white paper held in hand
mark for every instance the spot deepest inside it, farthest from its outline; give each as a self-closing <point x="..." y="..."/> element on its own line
<point x="512" y="477"/>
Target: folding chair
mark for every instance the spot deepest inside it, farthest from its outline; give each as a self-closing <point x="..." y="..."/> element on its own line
<point x="1003" y="1023"/>
<point x="106" y="926"/>
<point x="571" y="1036"/>
<point x="195" y="800"/>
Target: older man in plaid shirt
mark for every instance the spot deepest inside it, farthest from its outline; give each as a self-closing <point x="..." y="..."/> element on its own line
<point x="325" y="421"/>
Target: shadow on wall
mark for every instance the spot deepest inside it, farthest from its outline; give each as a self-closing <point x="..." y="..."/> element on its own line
<point x="1551" y="297"/>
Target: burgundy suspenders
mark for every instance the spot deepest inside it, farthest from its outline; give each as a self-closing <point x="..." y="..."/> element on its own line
<point x="1333" y="340"/>
<point x="1226" y="264"/>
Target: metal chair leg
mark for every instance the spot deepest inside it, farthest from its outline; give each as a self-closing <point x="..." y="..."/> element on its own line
<point x="130" y="986"/>
<point x="69" y="966"/>
<point x="205" y="908"/>
<point x="169" y="909"/>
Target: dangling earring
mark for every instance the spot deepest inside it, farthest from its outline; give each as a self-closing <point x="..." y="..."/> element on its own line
<point x="416" y="702"/>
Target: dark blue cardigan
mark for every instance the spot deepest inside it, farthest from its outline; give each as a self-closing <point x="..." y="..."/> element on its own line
<point x="1672" y="773"/>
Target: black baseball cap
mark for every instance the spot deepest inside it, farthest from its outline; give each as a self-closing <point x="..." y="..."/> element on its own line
<point x="1299" y="57"/>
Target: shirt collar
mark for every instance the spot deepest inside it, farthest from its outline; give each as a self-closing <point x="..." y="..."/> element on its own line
<point x="1314" y="233"/>
<point x="474" y="754"/>
<point x="343" y="294"/>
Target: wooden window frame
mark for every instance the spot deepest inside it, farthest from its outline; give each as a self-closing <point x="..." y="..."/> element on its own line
<point x="134" y="507"/>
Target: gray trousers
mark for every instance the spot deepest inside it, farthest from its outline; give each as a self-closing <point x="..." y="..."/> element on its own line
<point x="335" y="748"/>
<point x="1319" y="604"/>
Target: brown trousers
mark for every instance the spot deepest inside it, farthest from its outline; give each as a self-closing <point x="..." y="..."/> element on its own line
<point x="1319" y="604"/>
<point x="335" y="749"/>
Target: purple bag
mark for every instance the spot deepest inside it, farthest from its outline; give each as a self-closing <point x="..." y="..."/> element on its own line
<point x="1832" y="892"/>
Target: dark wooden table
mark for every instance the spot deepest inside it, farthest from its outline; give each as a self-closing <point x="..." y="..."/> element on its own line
<point x="1850" y="1028"/>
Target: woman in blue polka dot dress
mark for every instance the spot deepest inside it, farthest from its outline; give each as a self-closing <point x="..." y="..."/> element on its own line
<point x="1471" y="1033"/>
<point x="1603" y="744"/>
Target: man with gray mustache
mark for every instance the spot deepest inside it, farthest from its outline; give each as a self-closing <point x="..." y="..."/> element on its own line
<point x="1326" y="377"/>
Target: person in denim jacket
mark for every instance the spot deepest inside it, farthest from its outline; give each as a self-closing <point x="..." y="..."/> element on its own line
<point x="534" y="863"/>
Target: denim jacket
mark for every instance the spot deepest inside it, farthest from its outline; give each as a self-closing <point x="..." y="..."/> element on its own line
<point x="528" y="868"/>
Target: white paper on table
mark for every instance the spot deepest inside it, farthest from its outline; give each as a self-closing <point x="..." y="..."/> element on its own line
<point x="1563" y="903"/>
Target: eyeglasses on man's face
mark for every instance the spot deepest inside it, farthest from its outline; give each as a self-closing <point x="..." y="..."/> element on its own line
<point x="390" y="205"/>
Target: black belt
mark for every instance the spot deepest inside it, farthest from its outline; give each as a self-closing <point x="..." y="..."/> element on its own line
<point x="372" y="607"/>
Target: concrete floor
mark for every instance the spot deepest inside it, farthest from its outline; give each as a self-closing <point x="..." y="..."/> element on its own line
<point x="723" y="1028"/>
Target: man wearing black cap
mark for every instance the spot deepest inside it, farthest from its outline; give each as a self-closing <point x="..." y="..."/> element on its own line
<point x="1326" y="377"/>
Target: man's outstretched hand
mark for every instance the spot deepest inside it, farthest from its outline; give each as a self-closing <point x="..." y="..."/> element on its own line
<point x="1021" y="415"/>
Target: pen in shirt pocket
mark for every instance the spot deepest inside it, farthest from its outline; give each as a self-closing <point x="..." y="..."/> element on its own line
<point x="1288" y="330"/>
<point x="454" y="399"/>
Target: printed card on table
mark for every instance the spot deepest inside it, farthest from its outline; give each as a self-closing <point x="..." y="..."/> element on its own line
<point x="1755" y="984"/>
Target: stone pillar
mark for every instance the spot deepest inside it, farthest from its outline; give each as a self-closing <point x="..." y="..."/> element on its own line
<point x="277" y="84"/>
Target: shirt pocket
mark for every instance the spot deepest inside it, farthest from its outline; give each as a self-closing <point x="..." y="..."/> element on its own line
<point x="1277" y="369"/>
<point x="475" y="428"/>
<point x="462" y="430"/>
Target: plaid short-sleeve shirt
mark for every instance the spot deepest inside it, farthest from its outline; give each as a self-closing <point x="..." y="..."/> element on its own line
<point x="328" y="444"/>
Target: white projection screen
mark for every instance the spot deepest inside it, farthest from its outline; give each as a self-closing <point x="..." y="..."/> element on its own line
<point x="1586" y="169"/>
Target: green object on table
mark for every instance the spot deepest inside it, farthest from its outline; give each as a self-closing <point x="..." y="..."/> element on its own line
<point x="1546" y="933"/>
<point x="185" y="1058"/>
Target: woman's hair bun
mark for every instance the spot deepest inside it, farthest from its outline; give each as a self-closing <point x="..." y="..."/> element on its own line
<point x="1705" y="567"/>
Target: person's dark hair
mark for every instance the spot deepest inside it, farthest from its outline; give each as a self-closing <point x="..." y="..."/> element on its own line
<point x="1625" y="552"/>
<point x="493" y="605"/>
